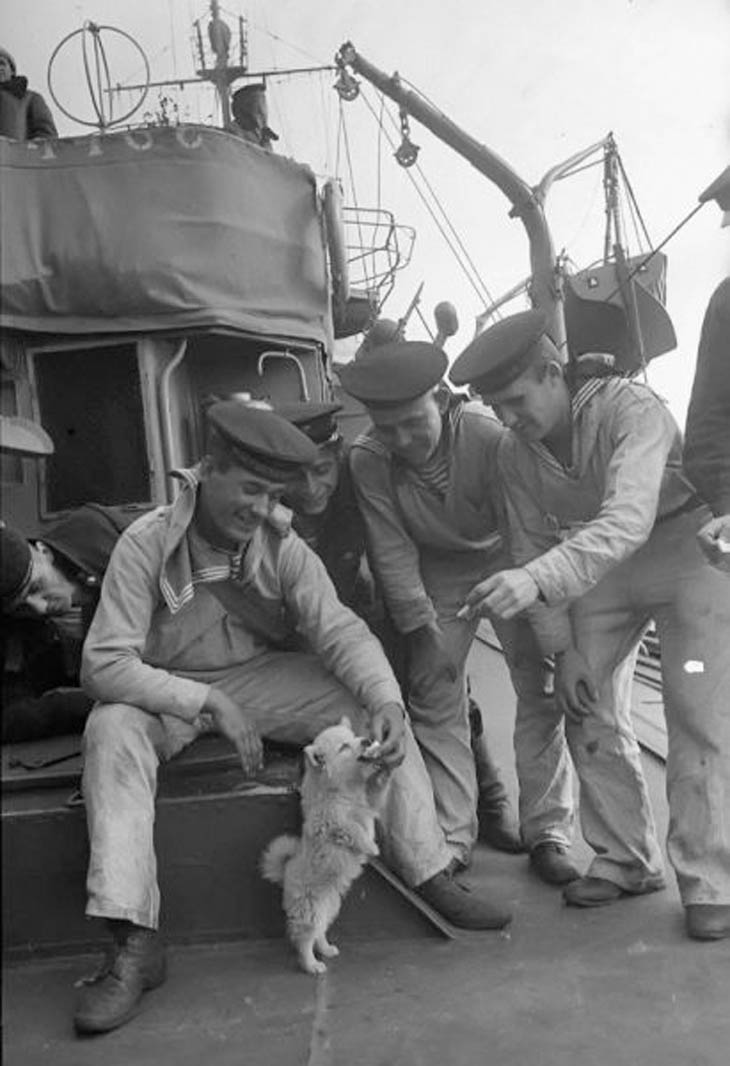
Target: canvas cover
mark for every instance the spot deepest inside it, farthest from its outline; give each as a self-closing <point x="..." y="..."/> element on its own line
<point x="159" y="229"/>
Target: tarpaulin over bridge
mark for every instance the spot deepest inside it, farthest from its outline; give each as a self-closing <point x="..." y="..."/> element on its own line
<point x="160" y="229"/>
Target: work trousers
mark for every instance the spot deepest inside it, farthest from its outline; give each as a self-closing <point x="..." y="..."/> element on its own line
<point x="291" y="697"/>
<point x="668" y="580"/>
<point x="439" y="710"/>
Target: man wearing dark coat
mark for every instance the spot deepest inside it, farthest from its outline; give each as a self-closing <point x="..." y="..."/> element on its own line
<point x="24" y="114"/>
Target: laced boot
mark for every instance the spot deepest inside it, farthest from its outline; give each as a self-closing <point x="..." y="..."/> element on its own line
<point x="135" y="963"/>
<point x="498" y="824"/>
<point x="461" y="904"/>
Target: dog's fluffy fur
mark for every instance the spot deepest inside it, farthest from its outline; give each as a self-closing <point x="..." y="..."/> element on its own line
<point x="340" y="791"/>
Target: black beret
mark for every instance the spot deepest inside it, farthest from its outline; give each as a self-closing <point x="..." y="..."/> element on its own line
<point x="317" y="420"/>
<point x="501" y="353"/>
<point x="394" y="373"/>
<point x="16" y="565"/>
<point x="264" y="442"/>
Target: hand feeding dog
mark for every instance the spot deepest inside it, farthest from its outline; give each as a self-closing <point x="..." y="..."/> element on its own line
<point x="343" y="783"/>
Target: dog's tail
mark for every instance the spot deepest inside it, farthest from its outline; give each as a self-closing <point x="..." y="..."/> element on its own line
<point x="276" y="856"/>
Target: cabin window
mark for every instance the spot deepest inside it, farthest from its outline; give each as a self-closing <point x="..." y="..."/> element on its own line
<point x="90" y="401"/>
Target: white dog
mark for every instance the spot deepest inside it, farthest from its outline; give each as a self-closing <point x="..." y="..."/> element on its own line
<point x="342" y="784"/>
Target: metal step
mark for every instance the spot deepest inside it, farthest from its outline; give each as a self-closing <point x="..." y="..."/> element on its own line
<point x="212" y="825"/>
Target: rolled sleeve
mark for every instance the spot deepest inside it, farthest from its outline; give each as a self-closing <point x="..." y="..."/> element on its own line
<point x="113" y="670"/>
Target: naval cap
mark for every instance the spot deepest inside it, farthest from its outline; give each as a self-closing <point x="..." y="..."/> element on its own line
<point x="262" y="441"/>
<point x="391" y="374"/>
<point x="317" y="420"/>
<point x="501" y="353"/>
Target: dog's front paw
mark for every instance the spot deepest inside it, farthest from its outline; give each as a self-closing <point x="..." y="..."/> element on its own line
<point x="314" y="966"/>
<point x="330" y="951"/>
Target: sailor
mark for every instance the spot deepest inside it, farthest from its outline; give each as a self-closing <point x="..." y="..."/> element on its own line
<point x="603" y="533"/>
<point x="199" y="600"/>
<point x="325" y="512"/>
<point x="424" y="478"/>
<point x="50" y="589"/>
<point x="707" y="443"/>
<point x="251" y="116"/>
<point x="24" y="114"/>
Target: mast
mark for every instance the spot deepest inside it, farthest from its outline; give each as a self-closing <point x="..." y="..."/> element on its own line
<point x="544" y="288"/>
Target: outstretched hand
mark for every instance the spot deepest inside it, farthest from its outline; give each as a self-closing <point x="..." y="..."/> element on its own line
<point x="575" y="687"/>
<point x="714" y="540"/>
<point x="388" y="728"/>
<point x="232" y="721"/>
<point x="504" y="594"/>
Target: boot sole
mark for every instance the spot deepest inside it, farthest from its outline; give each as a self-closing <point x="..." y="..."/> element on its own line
<point x="623" y="893"/>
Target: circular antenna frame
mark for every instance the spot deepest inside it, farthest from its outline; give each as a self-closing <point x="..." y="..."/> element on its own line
<point x="98" y="81"/>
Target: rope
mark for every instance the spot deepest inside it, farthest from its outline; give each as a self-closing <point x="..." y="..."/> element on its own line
<point x="658" y="248"/>
<point x="474" y="283"/>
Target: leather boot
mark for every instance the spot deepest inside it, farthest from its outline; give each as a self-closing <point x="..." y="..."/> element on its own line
<point x="498" y="824"/>
<point x="550" y="862"/>
<point x="462" y="904"/>
<point x="707" y="921"/>
<point x="598" y="892"/>
<point x="134" y="964"/>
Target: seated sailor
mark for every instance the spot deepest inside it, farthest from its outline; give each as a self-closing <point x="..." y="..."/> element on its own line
<point x="603" y="531"/>
<point x="198" y="608"/>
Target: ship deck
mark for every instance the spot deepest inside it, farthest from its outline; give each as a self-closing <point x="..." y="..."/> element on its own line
<point x="615" y="986"/>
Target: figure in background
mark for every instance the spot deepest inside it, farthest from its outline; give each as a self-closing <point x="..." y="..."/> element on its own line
<point x="251" y="116"/>
<point x="425" y="478"/>
<point x="603" y="528"/>
<point x="24" y="114"/>
<point x="707" y="442"/>
<point x="50" y="589"/>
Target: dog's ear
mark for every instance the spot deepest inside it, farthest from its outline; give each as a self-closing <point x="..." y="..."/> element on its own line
<point x="345" y="721"/>
<point x="314" y="758"/>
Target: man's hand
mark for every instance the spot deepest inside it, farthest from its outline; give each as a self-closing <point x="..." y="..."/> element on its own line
<point x="575" y="688"/>
<point x="431" y="649"/>
<point x="504" y="594"/>
<point x="233" y="723"/>
<point x="388" y="728"/>
<point x="714" y="540"/>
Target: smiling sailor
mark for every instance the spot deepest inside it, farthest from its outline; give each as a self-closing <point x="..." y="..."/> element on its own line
<point x="425" y="477"/>
<point x="200" y="602"/>
<point x="603" y="528"/>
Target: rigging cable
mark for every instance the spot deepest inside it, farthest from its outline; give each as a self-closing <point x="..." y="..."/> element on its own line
<point x="474" y="284"/>
<point x="486" y="295"/>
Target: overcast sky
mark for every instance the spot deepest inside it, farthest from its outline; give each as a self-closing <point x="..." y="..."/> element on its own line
<point x="536" y="80"/>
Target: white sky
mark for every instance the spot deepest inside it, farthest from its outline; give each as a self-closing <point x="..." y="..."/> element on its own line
<point x="536" y="80"/>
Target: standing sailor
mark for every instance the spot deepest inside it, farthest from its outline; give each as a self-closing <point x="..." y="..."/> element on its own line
<point x="425" y="477"/>
<point x="603" y="527"/>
